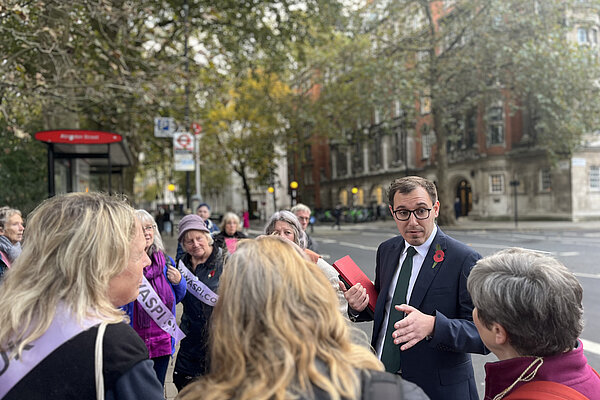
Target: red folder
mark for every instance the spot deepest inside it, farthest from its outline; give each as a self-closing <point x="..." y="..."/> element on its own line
<point x="351" y="274"/>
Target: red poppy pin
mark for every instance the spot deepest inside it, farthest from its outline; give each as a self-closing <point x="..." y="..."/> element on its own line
<point x="211" y="273"/>
<point x="438" y="256"/>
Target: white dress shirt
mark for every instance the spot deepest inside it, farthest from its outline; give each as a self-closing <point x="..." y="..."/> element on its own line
<point x="417" y="262"/>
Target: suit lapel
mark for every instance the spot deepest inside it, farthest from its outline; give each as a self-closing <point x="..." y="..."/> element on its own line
<point x="391" y="264"/>
<point x="428" y="273"/>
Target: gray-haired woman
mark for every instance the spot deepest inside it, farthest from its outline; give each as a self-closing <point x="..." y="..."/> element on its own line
<point x="11" y="234"/>
<point x="285" y="224"/>
<point x="529" y="313"/>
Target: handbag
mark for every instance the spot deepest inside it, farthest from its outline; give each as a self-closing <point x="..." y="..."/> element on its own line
<point x="98" y="362"/>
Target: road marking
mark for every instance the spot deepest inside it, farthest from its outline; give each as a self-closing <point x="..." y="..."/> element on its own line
<point x="498" y="246"/>
<point x="568" y="253"/>
<point x="585" y="275"/>
<point x="590" y="346"/>
<point x="358" y="246"/>
<point x="322" y="240"/>
<point x="379" y="234"/>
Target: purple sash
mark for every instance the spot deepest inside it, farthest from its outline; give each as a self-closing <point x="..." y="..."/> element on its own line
<point x="64" y="326"/>
<point x="158" y="311"/>
<point x="198" y="289"/>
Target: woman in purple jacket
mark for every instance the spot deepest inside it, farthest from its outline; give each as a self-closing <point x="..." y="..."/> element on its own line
<point x="168" y="284"/>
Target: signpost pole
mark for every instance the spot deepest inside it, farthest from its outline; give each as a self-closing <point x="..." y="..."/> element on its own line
<point x="51" y="190"/>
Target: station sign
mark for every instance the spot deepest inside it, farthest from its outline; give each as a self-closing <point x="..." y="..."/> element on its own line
<point x="78" y="136"/>
<point x="183" y="151"/>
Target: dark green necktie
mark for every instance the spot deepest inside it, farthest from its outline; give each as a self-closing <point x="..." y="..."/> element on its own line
<point x="390" y="355"/>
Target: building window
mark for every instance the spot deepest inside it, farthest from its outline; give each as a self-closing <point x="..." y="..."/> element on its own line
<point x="594" y="36"/>
<point x="426" y="141"/>
<point x="495" y="121"/>
<point x="545" y="180"/>
<point x="341" y="162"/>
<point x="594" y="177"/>
<point x="398" y="145"/>
<point x="582" y="36"/>
<point x="497" y="183"/>
<point x="375" y="149"/>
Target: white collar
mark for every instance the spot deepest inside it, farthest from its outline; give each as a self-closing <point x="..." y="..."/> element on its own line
<point x="424" y="248"/>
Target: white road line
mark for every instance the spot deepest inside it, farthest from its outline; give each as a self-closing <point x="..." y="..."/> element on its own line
<point x="358" y="246"/>
<point x="323" y="240"/>
<point x="585" y="275"/>
<point x="500" y="246"/>
<point x="379" y="234"/>
<point x="568" y="253"/>
<point x="591" y="347"/>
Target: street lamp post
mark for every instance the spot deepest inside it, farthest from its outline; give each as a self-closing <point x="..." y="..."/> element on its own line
<point x="293" y="186"/>
<point x="271" y="190"/>
<point x="354" y="193"/>
<point x="514" y="184"/>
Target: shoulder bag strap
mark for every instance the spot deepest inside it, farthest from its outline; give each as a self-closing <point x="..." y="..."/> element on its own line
<point x="98" y="364"/>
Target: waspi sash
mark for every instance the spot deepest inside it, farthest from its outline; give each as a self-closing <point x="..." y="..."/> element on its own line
<point x="63" y="327"/>
<point x="158" y="311"/>
<point x="198" y="289"/>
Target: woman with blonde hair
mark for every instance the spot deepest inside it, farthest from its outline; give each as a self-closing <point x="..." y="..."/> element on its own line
<point x="230" y="233"/>
<point x="156" y="303"/>
<point x="63" y="336"/>
<point x="276" y="333"/>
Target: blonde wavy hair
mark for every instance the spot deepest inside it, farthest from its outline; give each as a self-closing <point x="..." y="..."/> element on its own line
<point x="276" y="330"/>
<point x="74" y="245"/>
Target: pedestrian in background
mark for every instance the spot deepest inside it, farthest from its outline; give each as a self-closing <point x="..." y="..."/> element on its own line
<point x="203" y="211"/>
<point x="230" y="233"/>
<point x="202" y="265"/>
<point x="529" y="313"/>
<point x="276" y="334"/>
<point x="169" y="287"/>
<point x="246" y="219"/>
<point x="62" y="334"/>
<point x="302" y="212"/>
<point x="337" y="215"/>
<point x="11" y="235"/>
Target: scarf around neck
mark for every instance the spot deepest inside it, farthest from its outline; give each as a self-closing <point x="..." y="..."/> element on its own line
<point x="12" y="251"/>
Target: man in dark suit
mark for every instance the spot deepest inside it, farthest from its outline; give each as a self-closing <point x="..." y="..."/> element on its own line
<point x="423" y="327"/>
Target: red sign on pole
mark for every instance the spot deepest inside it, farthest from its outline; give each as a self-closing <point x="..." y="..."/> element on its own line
<point x="76" y="136"/>
<point x="197" y="128"/>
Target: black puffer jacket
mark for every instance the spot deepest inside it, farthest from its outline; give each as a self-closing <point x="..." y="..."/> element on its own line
<point x="192" y="358"/>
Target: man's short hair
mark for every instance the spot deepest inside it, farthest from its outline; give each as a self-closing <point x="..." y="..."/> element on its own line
<point x="202" y="205"/>
<point x="300" y="207"/>
<point x="407" y="184"/>
<point x="534" y="297"/>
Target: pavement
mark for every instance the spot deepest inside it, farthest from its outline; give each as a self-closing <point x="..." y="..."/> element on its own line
<point x="387" y="225"/>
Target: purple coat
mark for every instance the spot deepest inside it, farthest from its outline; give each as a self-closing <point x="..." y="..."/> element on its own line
<point x="570" y="369"/>
<point x="158" y="342"/>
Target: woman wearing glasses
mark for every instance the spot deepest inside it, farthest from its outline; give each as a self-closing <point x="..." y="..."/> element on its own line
<point x="166" y="282"/>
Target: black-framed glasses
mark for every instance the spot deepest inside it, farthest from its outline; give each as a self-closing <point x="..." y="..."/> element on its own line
<point x="419" y="213"/>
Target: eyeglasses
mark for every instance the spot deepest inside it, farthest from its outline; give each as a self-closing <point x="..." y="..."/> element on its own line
<point x="148" y="228"/>
<point x="419" y="213"/>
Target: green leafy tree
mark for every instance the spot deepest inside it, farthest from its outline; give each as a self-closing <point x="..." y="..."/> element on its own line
<point x="242" y="129"/>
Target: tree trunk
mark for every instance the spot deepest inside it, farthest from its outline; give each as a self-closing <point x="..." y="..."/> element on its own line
<point x="445" y="194"/>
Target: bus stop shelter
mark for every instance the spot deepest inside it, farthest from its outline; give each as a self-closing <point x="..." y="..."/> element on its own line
<point x="104" y="152"/>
